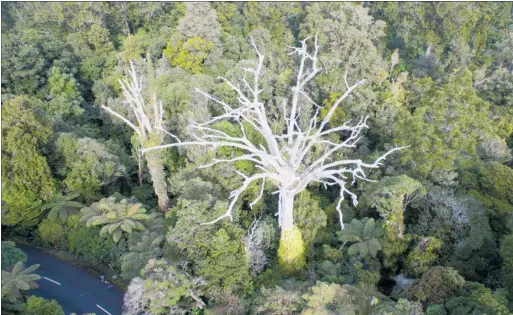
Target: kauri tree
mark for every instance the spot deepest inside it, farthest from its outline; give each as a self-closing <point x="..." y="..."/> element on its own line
<point x="291" y="152"/>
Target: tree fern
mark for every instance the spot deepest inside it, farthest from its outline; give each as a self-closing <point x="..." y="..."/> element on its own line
<point x="61" y="206"/>
<point x="147" y="247"/>
<point x="115" y="217"/>
<point x="18" y="280"/>
<point x="156" y="222"/>
<point x="366" y="236"/>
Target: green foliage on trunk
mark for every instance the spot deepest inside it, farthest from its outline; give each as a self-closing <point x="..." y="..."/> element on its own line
<point x="309" y="217"/>
<point x="291" y="251"/>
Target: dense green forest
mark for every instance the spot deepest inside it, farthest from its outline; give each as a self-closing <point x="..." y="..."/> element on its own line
<point x="402" y="202"/>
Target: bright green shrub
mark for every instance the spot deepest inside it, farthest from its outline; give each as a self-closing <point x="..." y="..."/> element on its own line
<point x="422" y="256"/>
<point x="189" y="55"/>
<point x="40" y="306"/>
<point x="402" y="306"/>
<point x="88" y="243"/>
<point x="53" y="232"/>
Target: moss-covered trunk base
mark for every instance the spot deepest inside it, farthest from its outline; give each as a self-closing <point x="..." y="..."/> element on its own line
<point x="291" y="252"/>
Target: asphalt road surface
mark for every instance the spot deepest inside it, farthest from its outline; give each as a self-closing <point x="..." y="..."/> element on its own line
<point x="76" y="290"/>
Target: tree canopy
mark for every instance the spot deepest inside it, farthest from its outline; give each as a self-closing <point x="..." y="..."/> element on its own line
<point x="263" y="158"/>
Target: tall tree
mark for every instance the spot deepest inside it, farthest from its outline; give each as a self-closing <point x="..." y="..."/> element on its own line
<point x="146" y="119"/>
<point x="27" y="180"/>
<point x="86" y="165"/>
<point x="301" y="154"/>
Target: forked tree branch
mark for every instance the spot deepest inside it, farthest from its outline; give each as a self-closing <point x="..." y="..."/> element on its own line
<point x="287" y="159"/>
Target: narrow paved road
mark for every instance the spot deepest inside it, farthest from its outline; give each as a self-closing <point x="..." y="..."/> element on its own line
<point x="79" y="291"/>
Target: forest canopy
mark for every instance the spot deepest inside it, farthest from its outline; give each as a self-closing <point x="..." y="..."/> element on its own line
<point x="263" y="158"/>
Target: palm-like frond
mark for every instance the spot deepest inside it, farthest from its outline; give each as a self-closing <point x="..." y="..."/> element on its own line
<point x="115" y="217"/>
<point x="61" y="206"/>
<point x="8" y="244"/>
<point x="147" y="247"/>
<point x="366" y="236"/>
<point x="157" y="222"/>
<point x="18" y="280"/>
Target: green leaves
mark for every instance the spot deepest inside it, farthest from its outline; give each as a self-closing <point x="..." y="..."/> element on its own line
<point x="366" y="236"/>
<point x="374" y="246"/>
<point x="145" y="245"/>
<point x="369" y="227"/>
<point x="116" y="217"/>
<point x="165" y="285"/>
<point x="349" y="237"/>
<point x="18" y="280"/>
<point x="61" y="206"/>
<point x="117" y="235"/>
<point x="86" y="164"/>
<point x="26" y="176"/>
<point x="11" y="255"/>
<point x="40" y="306"/>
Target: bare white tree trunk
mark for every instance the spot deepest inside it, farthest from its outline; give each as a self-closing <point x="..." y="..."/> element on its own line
<point x="301" y="155"/>
<point x="148" y="128"/>
<point x="156" y="167"/>
<point x="286" y="215"/>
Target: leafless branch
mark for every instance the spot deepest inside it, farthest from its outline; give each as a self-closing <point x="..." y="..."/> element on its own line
<point x="282" y="158"/>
